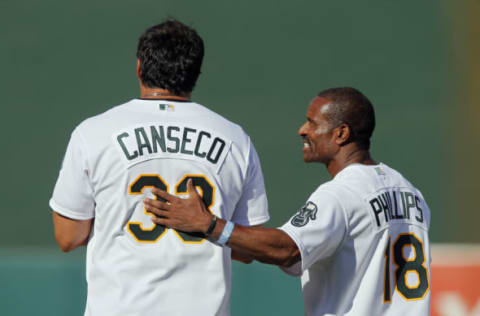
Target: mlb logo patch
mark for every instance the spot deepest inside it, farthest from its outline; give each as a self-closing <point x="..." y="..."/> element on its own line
<point x="166" y="107"/>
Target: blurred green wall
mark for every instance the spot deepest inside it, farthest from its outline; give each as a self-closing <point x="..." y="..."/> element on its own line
<point x="62" y="62"/>
<point x="467" y="90"/>
<point x="43" y="282"/>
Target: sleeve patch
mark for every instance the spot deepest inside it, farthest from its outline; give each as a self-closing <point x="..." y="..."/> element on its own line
<point x="305" y="214"/>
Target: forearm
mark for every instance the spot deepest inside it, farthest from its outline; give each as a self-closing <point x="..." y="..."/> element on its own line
<point x="241" y="256"/>
<point x="70" y="233"/>
<point x="68" y="243"/>
<point x="267" y="245"/>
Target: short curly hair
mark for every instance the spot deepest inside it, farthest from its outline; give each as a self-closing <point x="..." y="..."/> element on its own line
<point x="170" y="55"/>
<point x="353" y="108"/>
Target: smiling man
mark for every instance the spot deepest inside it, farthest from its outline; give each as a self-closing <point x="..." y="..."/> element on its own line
<point x="360" y="242"/>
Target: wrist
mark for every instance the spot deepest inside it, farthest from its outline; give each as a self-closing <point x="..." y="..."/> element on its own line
<point x="211" y="225"/>
<point x="217" y="231"/>
<point x="226" y="233"/>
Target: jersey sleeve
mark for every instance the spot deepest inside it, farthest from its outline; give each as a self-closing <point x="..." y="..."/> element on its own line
<point x="252" y="207"/>
<point x="73" y="193"/>
<point x="318" y="229"/>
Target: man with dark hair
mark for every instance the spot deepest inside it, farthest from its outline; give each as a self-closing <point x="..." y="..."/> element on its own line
<point x="170" y="56"/>
<point x="351" y="107"/>
<point x="360" y="242"/>
<point x="161" y="140"/>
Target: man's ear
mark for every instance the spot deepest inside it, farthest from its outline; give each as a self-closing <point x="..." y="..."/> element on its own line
<point x="139" y="72"/>
<point x="342" y="134"/>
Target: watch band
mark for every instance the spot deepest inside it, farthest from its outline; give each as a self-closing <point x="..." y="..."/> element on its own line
<point x="213" y="223"/>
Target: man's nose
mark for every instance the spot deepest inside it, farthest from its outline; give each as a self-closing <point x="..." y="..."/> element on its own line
<point x="301" y="130"/>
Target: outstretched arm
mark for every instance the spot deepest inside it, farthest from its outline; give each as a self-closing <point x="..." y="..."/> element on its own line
<point x="268" y="245"/>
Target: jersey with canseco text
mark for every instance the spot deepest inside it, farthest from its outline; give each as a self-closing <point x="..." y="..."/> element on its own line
<point x="135" y="267"/>
<point x="363" y="238"/>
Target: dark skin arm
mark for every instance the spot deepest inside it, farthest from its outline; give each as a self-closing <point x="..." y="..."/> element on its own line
<point x="241" y="257"/>
<point x="267" y="245"/>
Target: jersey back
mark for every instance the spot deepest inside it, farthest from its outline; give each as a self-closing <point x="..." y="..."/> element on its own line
<point x="135" y="267"/>
<point x="365" y="250"/>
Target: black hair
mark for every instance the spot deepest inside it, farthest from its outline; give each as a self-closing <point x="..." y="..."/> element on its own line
<point x="351" y="107"/>
<point x="171" y="55"/>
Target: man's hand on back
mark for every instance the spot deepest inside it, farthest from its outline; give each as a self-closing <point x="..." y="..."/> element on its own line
<point x="188" y="215"/>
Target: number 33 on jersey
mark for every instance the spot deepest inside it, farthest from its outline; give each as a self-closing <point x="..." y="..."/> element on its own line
<point x="156" y="232"/>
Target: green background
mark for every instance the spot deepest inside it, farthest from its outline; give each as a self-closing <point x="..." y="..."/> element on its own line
<point x="63" y="61"/>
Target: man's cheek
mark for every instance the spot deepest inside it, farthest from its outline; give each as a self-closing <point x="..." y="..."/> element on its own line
<point x="321" y="130"/>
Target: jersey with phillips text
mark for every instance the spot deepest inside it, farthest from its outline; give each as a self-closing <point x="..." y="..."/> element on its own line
<point x="363" y="238"/>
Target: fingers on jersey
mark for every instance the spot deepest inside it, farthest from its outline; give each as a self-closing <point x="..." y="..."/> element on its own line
<point x="162" y="221"/>
<point x="157" y="207"/>
<point x="164" y="195"/>
<point x="160" y="211"/>
<point x="191" y="189"/>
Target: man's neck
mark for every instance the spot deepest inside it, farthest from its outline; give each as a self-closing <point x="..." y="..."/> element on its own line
<point x="157" y="93"/>
<point x="348" y="156"/>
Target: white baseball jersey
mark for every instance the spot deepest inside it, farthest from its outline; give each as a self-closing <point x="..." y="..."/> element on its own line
<point x="363" y="238"/>
<point x="135" y="267"/>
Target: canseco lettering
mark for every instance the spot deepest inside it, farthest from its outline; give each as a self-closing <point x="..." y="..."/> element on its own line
<point x="172" y="139"/>
<point x="396" y="205"/>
